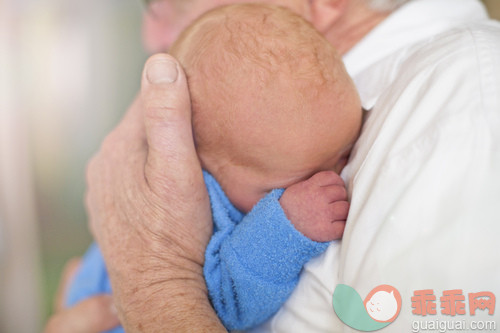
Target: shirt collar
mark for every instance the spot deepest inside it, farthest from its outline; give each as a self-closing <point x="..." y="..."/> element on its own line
<point x="414" y="22"/>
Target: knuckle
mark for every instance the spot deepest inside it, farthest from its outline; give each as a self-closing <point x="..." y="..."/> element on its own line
<point x="109" y="143"/>
<point x="155" y="106"/>
<point x="106" y="151"/>
<point x="156" y="101"/>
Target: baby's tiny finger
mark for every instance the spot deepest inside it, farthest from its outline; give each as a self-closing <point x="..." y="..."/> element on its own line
<point x="326" y="178"/>
<point x="334" y="193"/>
<point x="339" y="211"/>
<point x="336" y="230"/>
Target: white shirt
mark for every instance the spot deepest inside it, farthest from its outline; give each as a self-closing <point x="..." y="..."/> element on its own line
<point x="424" y="177"/>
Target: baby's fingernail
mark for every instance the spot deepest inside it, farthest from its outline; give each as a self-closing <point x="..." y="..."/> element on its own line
<point x="162" y="71"/>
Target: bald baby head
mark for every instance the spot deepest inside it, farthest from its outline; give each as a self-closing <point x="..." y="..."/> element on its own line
<point x="270" y="95"/>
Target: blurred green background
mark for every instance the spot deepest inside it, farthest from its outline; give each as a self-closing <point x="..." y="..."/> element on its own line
<point x="68" y="71"/>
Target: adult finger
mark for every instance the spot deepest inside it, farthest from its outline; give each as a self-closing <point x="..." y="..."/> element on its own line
<point x="167" y="117"/>
<point x="92" y="315"/>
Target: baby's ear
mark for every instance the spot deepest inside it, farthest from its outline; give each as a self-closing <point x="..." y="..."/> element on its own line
<point x="324" y="13"/>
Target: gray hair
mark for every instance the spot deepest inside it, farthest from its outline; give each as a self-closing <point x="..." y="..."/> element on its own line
<point x="386" y="5"/>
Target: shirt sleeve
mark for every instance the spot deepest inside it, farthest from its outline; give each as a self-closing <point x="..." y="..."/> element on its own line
<point x="252" y="267"/>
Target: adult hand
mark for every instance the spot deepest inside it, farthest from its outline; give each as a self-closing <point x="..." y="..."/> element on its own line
<point x="92" y="315"/>
<point x="149" y="209"/>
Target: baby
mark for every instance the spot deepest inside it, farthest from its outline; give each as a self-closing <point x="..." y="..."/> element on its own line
<point x="274" y="116"/>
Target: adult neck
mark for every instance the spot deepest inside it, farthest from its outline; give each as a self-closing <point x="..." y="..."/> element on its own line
<point x="355" y="23"/>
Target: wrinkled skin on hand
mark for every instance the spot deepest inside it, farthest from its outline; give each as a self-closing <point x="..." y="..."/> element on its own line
<point x="149" y="209"/>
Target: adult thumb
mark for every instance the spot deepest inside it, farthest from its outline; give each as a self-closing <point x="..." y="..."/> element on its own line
<point x="167" y="116"/>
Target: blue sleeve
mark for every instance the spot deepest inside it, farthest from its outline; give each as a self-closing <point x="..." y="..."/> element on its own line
<point x="252" y="267"/>
<point x="91" y="279"/>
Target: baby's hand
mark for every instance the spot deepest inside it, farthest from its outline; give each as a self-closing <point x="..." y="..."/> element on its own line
<point x="318" y="206"/>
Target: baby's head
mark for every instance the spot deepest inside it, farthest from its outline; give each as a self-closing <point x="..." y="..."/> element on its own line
<point x="272" y="102"/>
